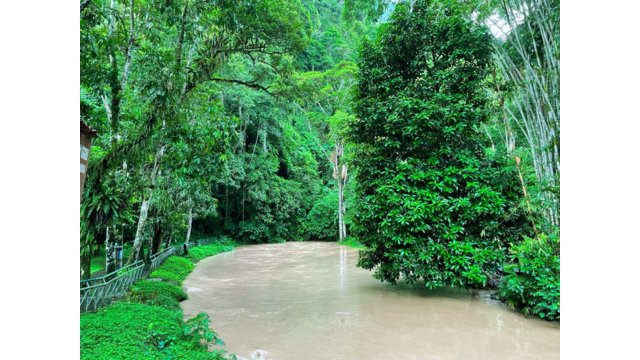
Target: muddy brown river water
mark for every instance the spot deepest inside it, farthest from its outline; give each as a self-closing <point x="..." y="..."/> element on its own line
<point x="308" y="300"/>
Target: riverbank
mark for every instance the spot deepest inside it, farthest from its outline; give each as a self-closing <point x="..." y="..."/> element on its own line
<point x="148" y="322"/>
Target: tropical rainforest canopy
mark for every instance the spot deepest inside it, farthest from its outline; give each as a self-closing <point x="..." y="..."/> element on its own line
<point x="427" y="131"/>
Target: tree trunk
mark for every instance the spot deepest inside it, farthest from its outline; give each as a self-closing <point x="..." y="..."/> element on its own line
<point x="85" y="265"/>
<point x="341" y="176"/>
<point x="340" y="209"/>
<point x="110" y="263"/>
<point x="150" y="237"/>
<point x="264" y="140"/>
<point x="118" y="86"/>
<point x="144" y="210"/>
<point x="243" y="192"/>
<point x="160" y="241"/>
<point x="142" y="220"/>
<point x="343" y="181"/>
<point x="186" y="242"/>
<point x="157" y="239"/>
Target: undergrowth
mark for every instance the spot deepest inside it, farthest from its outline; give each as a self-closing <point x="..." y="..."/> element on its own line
<point x="174" y="268"/>
<point x="131" y="330"/>
<point x="532" y="280"/>
<point x="200" y="252"/>
<point x="148" y="323"/>
<point x="157" y="293"/>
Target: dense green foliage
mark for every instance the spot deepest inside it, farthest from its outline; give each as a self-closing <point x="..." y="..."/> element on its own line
<point x="278" y="171"/>
<point x="322" y="219"/>
<point x="129" y="330"/>
<point x="431" y="204"/>
<point x="201" y="131"/>
<point x="337" y="30"/>
<point x="148" y="323"/>
<point x="157" y="293"/>
<point x="152" y="76"/>
<point x="200" y="252"/>
<point x="532" y="281"/>
<point x="403" y="128"/>
<point x="174" y="268"/>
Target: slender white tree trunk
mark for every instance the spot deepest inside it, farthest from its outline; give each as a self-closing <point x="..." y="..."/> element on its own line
<point x="341" y="176"/>
<point x="493" y="147"/>
<point x="334" y="159"/>
<point x="340" y="209"/>
<point x="264" y="140"/>
<point x="142" y="220"/>
<point x="110" y="261"/>
<point x="343" y="180"/>
<point x="186" y="242"/>
<point x="144" y="209"/>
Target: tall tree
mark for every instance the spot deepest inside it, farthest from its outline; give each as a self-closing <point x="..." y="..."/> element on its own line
<point x="328" y="103"/>
<point x="430" y="204"/>
<point x="180" y="46"/>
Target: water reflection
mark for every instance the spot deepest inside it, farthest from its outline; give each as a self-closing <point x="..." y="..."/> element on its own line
<point x="343" y="266"/>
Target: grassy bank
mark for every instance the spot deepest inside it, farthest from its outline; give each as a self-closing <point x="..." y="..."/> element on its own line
<point x="147" y="323"/>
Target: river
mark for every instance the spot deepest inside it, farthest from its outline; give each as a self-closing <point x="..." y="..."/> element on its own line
<point x="308" y="300"/>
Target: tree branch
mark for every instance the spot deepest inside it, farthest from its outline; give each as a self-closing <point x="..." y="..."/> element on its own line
<point x="253" y="85"/>
<point x="181" y="37"/>
<point x="125" y="72"/>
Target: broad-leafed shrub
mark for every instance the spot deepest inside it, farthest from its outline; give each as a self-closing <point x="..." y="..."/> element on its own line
<point x="532" y="283"/>
<point x="127" y="330"/>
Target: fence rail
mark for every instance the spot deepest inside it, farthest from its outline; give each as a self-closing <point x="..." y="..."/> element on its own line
<point x="98" y="292"/>
<point x="159" y="258"/>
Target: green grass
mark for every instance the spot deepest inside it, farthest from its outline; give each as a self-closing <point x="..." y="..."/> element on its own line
<point x="130" y="330"/>
<point x="178" y="268"/>
<point x="157" y="293"/>
<point x="200" y="252"/>
<point x="123" y="329"/>
<point x="174" y="268"/>
<point x="148" y="323"/>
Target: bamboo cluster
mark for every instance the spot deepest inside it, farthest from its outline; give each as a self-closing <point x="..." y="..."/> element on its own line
<point x="533" y="69"/>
